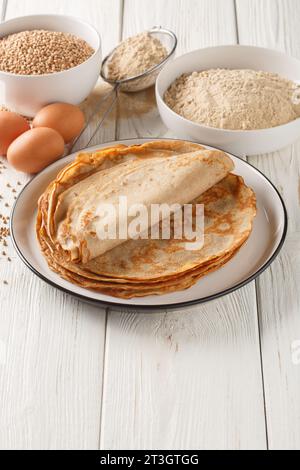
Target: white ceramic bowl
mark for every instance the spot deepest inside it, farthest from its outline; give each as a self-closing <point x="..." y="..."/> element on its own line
<point x="232" y="57"/>
<point x="26" y="94"/>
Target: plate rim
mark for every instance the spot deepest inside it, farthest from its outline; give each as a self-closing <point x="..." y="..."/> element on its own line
<point x="143" y="307"/>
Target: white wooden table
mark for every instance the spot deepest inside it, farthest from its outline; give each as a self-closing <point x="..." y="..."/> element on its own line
<point x="215" y="376"/>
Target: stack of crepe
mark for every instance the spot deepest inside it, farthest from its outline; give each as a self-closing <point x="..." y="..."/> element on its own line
<point x="153" y="173"/>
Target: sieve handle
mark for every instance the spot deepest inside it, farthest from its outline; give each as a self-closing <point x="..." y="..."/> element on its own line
<point x="107" y="112"/>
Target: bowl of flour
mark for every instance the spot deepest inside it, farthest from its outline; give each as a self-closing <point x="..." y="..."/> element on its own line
<point x="243" y="99"/>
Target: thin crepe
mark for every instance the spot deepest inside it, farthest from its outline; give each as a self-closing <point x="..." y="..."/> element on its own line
<point x="177" y="179"/>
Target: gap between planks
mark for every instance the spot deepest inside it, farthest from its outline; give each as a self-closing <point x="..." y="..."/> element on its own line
<point x="258" y="307"/>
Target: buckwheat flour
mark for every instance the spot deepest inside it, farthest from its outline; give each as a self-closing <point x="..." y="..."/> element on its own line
<point x="135" y="55"/>
<point x="234" y="99"/>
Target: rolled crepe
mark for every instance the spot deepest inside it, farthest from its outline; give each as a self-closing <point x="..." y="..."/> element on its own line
<point x="177" y="179"/>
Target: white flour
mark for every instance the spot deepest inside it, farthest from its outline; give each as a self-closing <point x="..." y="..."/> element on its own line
<point x="234" y="99"/>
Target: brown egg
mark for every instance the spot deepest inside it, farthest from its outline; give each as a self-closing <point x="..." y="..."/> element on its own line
<point x="65" y="118"/>
<point x="11" y="126"/>
<point x="35" y="149"/>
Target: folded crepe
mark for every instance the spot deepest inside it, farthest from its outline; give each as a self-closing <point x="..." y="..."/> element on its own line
<point x="157" y="172"/>
<point x="158" y="180"/>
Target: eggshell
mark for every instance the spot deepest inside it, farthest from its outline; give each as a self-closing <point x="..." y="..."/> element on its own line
<point x="11" y="126"/>
<point x="35" y="149"/>
<point x="65" y="118"/>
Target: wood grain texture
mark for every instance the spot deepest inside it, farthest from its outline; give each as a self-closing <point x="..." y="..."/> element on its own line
<point x="275" y="24"/>
<point x="184" y="380"/>
<point x="2" y="9"/>
<point x="280" y="332"/>
<point x="189" y="379"/>
<point x="271" y="23"/>
<point x="50" y="366"/>
<point x="197" y="23"/>
<point x="51" y="346"/>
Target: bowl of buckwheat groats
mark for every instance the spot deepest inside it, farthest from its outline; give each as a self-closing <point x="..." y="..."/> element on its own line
<point x="46" y="59"/>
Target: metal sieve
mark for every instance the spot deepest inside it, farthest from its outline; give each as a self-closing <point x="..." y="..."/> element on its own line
<point x="133" y="84"/>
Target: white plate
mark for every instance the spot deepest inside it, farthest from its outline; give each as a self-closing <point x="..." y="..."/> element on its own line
<point x="255" y="256"/>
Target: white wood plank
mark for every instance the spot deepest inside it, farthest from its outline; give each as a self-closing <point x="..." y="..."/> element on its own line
<point x="280" y="331"/>
<point x="50" y="366"/>
<point x="184" y="380"/>
<point x="2" y="9"/>
<point x="189" y="379"/>
<point x="197" y="23"/>
<point x="51" y="346"/>
<point x="275" y="24"/>
<point x="271" y="23"/>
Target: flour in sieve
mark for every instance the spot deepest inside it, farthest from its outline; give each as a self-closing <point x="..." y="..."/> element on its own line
<point x="135" y="55"/>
